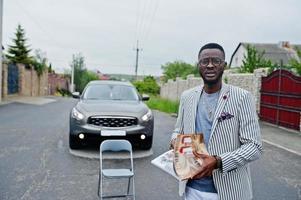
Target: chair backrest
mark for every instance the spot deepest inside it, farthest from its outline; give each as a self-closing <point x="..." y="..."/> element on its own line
<point x="115" y="145"/>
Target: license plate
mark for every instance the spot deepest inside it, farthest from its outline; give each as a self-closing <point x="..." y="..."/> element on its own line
<point x="112" y="133"/>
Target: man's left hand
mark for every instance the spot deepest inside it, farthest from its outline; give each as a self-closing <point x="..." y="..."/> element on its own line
<point x="208" y="165"/>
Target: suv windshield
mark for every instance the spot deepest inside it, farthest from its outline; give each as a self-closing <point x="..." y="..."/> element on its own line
<point x="111" y="92"/>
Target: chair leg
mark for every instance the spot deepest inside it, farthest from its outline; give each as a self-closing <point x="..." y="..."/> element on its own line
<point x="98" y="184"/>
<point x="133" y="182"/>
<point x="129" y="183"/>
<point x="101" y="195"/>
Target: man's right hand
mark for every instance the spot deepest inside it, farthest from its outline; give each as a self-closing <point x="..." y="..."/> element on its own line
<point x="172" y="143"/>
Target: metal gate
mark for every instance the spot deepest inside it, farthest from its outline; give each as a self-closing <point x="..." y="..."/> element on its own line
<point x="12" y="79"/>
<point x="281" y="99"/>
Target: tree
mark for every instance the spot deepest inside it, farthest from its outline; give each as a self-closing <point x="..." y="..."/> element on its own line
<point x="254" y="60"/>
<point x="19" y="51"/>
<point x="50" y="70"/>
<point x="148" y="85"/>
<point x="78" y="65"/>
<point x="81" y="75"/>
<point x="171" y="70"/>
<point x="39" y="61"/>
<point x="295" y="63"/>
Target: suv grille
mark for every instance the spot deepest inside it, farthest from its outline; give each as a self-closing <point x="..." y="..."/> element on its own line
<point x="113" y="121"/>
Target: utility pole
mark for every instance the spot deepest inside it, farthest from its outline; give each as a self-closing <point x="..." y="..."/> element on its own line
<point x="137" y="55"/>
<point x="1" y="15"/>
<point x="72" y="78"/>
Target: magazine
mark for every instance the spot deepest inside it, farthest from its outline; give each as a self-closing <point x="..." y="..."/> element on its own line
<point x="186" y="165"/>
<point x="181" y="162"/>
<point x="165" y="162"/>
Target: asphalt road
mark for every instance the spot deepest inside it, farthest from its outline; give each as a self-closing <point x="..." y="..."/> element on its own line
<point x="35" y="162"/>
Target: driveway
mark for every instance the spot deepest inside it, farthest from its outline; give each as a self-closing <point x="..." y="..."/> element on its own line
<point x="35" y="162"/>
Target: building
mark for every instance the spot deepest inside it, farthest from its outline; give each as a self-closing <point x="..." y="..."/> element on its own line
<point x="102" y="76"/>
<point x="279" y="53"/>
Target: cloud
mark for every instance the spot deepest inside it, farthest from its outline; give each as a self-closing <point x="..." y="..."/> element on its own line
<point x="105" y="32"/>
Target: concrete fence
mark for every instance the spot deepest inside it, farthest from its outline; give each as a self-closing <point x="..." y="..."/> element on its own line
<point x="57" y="81"/>
<point x="29" y="83"/>
<point x="172" y="90"/>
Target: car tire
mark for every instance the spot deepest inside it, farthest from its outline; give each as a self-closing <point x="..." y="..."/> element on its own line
<point x="73" y="143"/>
<point x="147" y="144"/>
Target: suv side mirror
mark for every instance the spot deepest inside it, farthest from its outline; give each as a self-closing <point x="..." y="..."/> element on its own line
<point x="76" y="95"/>
<point x="145" y="97"/>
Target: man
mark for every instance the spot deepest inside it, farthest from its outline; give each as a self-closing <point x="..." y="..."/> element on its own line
<point x="226" y="115"/>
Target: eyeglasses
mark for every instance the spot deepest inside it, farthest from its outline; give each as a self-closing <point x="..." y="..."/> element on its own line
<point x="214" y="60"/>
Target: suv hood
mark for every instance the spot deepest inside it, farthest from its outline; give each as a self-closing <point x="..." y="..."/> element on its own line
<point x="101" y="107"/>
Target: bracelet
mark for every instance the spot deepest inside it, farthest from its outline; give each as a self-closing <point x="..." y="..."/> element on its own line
<point x="218" y="162"/>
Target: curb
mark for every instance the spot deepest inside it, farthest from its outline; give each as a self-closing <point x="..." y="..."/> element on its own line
<point x="281" y="147"/>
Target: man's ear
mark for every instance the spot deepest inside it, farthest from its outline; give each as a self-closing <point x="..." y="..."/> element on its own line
<point x="225" y="65"/>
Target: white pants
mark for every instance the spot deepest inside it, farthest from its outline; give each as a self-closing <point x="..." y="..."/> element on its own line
<point x="193" y="194"/>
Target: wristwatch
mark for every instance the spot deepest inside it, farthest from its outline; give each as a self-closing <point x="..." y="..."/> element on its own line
<point x="218" y="162"/>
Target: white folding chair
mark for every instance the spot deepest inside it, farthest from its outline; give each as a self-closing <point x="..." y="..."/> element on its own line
<point x="116" y="146"/>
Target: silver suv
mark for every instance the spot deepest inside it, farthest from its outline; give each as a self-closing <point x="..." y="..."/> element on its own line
<point x="108" y="110"/>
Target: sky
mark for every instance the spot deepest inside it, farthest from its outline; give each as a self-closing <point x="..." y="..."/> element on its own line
<point x="105" y="32"/>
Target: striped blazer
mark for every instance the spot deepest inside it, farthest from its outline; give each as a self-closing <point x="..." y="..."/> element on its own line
<point x="236" y="139"/>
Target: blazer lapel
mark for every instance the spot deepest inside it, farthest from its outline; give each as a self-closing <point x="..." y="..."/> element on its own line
<point x="195" y="100"/>
<point x="223" y="98"/>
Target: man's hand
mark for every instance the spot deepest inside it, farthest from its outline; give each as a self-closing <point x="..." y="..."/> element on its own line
<point x="209" y="164"/>
<point x="172" y="143"/>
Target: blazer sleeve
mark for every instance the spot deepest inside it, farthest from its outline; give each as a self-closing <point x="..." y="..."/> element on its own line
<point x="179" y="126"/>
<point x="249" y="137"/>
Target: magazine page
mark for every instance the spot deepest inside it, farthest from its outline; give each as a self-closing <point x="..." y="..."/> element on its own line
<point x="165" y="162"/>
<point x="185" y="162"/>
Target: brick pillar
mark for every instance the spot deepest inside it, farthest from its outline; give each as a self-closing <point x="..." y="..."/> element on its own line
<point x="258" y="74"/>
<point x="4" y="80"/>
<point x="300" y="123"/>
<point x="190" y="80"/>
<point x="44" y="83"/>
<point x="22" y="80"/>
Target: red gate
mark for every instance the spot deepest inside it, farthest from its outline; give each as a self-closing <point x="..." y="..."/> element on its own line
<point x="280" y="102"/>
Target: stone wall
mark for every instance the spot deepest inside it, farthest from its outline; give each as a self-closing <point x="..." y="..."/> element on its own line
<point x="57" y="81"/>
<point x="252" y="82"/>
<point x="30" y="84"/>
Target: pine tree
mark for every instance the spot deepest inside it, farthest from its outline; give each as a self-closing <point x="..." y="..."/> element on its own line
<point x="19" y="51"/>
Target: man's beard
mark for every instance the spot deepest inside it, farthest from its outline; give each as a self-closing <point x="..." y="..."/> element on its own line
<point x="211" y="83"/>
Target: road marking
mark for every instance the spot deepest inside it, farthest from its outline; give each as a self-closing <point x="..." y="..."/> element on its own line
<point x="281" y="147"/>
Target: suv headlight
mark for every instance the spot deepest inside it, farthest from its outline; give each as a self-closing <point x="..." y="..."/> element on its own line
<point x="77" y="115"/>
<point x="147" y="116"/>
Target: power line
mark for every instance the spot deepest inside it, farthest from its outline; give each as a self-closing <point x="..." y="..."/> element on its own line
<point x="144" y="65"/>
<point x="151" y="21"/>
<point x="137" y="19"/>
<point x="32" y="19"/>
<point x="146" y="12"/>
<point x="143" y="14"/>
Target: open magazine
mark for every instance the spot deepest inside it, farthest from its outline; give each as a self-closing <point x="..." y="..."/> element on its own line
<point x="165" y="162"/>
<point x="181" y="162"/>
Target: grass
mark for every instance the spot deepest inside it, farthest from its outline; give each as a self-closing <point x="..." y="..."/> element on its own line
<point x="164" y="105"/>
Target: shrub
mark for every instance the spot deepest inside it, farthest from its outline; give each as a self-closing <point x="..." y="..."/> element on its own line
<point x="148" y="86"/>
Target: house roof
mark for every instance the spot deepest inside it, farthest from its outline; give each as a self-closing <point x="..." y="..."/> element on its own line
<point x="276" y="52"/>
